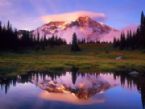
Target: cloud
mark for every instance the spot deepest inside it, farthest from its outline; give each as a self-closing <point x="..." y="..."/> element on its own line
<point x="71" y="16"/>
<point x="109" y="37"/>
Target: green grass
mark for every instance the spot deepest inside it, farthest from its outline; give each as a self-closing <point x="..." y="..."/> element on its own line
<point x="91" y="58"/>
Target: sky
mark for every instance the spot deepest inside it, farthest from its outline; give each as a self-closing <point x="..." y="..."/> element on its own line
<point x="30" y="14"/>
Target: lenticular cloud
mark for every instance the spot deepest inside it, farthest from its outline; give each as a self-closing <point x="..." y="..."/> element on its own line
<point x="72" y="16"/>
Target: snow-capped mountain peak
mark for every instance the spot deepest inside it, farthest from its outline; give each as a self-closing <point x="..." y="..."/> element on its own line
<point x="83" y="26"/>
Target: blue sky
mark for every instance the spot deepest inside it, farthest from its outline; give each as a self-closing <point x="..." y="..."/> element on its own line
<point x="26" y="14"/>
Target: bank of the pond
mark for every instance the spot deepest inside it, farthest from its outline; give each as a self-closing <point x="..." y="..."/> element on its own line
<point x="85" y="61"/>
<point x="91" y="58"/>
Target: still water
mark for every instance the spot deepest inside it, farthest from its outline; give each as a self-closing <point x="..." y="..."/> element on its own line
<point x="72" y="90"/>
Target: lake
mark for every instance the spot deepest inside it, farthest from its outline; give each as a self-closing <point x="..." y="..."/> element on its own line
<point x="72" y="90"/>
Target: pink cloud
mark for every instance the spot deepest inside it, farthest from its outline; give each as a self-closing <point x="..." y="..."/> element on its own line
<point x="72" y="16"/>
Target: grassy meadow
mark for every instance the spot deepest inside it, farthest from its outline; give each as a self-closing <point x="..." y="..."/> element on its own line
<point x="91" y="58"/>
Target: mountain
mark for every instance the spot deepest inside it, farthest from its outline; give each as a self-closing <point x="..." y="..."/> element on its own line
<point x="83" y="26"/>
<point x="116" y="34"/>
<point x="84" y="88"/>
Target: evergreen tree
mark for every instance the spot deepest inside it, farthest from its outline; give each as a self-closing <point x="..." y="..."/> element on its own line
<point x="115" y="42"/>
<point x="13" y="40"/>
<point x="74" y="46"/>
<point x="134" y="40"/>
<point x="8" y="38"/>
<point x="142" y="19"/>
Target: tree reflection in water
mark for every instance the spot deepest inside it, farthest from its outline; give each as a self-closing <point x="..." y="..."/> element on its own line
<point x="77" y="84"/>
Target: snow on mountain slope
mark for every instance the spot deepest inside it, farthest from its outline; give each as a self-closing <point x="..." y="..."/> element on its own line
<point x="84" y="27"/>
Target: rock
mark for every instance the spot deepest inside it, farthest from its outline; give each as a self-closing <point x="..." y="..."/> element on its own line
<point x="119" y="58"/>
<point x="134" y="73"/>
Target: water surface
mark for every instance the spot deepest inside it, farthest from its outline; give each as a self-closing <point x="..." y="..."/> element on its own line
<point x="73" y="90"/>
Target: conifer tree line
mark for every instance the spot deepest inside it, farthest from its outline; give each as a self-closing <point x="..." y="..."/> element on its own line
<point x="13" y="40"/>
<point x="132" y="40"/>
<point x="8" y="37"/>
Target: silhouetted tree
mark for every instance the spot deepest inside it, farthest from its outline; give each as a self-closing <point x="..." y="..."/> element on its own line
<point x="13" y="40"/>
<point x="131" y="40"/>
<point x="74" y="46"/>
<point x="8" y="38"/>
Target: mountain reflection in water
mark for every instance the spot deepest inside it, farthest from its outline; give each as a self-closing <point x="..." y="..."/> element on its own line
<point x="75" y="87"/>
<point x="78" y="92"/>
